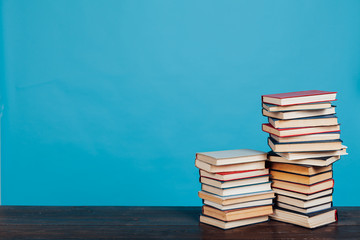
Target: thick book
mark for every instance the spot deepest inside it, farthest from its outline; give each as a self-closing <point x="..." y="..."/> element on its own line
<point x="327" y="120"/>
<point x="290" y="132"/>
<point x="232" y="224"/>
<point x="304" y="155"/>
<point x="316" y="162"/>
<point x="234" y="199"/>
<point x="307" y="138"/>
<point x="301" y="179"/>
<point x="229" y="168"/>
<point x="305" y="210"/>
<point x="299" y="114"/>
<point x="231" y="156"/>
<point x="256" y="203"/>
<point x="260" y="187"/>
<point x="330" y="145"/>
<point x="310" y="220"/>
<point x="237" y="214"/>
<point x="228" y="176"/>
<point x="303" y="170"/>
<point x="303" y="188"/>
<point x="309" y="106"/>
<point x="234" y="183"/>
<point x="302" y="196"/>
<point x="303" y="203"/>
<point x="301" y="97"/>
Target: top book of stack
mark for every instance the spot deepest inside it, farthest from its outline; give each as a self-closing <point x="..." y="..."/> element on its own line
<point x="302" y="97"/>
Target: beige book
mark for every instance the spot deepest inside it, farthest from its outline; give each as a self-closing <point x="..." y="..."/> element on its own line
<point x="237" y="214"/>
<point x="234" y="199"/>
<point x="229" y="168"/>
<point x="305" y="189"/>
<point x="301" y="179"/>
<point x="234" y="183"/>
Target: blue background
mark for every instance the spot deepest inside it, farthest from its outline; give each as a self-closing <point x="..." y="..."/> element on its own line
<point x="107" y="102"/>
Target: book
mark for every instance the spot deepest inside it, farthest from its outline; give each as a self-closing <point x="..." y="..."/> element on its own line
<point x="299" y="114"/>
<point x="307" y="138"/>
<point x="231" y="156"/>
<point x="310" y="220"/>
<point x="330" y="145"/>
<point x="256" y="203"/>
<point x="234" y="183"/>
<point x="308" y="106"/>
<point x="234" y="199"/>
<point x="237" y="214"/>
<point x="227" y="176"/>
<point x="327" y="120"/>
<point x="302" y="188"/>
<point x="321" y="162"/>
<point x="296" y="169"/>
<point x="303" y="203"/>
<point x="237" y="190"/>
<point x="229" y="168"/>
<point x="290" y="132"/>
<point x="302" y="196"/>
<point x="305" y="210"/>
<point x="303" y="155"/>
<point x="301" y="97"/>
<point x="301" y="179"/>
<point x="228" y="225"/>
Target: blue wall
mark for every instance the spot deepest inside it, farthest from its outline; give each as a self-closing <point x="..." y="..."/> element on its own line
<point x="106" y="102"/>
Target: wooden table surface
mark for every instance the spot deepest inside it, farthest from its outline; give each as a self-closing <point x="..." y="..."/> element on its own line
<point x="27" y="222"/>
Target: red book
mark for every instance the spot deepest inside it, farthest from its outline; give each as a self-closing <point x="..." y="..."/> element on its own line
<point x="302" y="97"/>
<point x="291" y="132"/>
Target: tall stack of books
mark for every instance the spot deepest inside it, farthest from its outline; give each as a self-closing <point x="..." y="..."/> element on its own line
<point x="235" y="188"/>
<point x="304" y="135"/>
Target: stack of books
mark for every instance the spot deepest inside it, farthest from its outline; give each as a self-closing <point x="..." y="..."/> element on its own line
<point x="235" y="188"/>
<point x="304" y="135"/>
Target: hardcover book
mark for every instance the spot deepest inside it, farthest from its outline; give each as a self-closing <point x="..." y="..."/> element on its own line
<point x="231" y="156"/>
<point x="234" y="199"/>
<point x="228" y="176"/>
<point x="291" y="132"/>
<point x="330" y="145"/>
<point x="232" y="224"/>
<point x="327" y="120"/>
<point x="309" y="106"/>
<point x="299" y="114"/>
<point x="309" y="220"/>
<point x="237" y="214"/>
<point x="301" y="97"/>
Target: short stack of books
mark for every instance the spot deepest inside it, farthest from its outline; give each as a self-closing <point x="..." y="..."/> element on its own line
<point x="235" y="188"/>
<point x="304" y="135"/>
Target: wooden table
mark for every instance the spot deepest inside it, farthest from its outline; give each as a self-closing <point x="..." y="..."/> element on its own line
<point x="22" y="222"/>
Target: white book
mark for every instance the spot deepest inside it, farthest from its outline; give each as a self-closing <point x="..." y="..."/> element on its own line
<point x="237" y="190"/>
<point x="305" y="210"/>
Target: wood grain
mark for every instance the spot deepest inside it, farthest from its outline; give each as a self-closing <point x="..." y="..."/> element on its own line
<point x="27" y="222"/>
